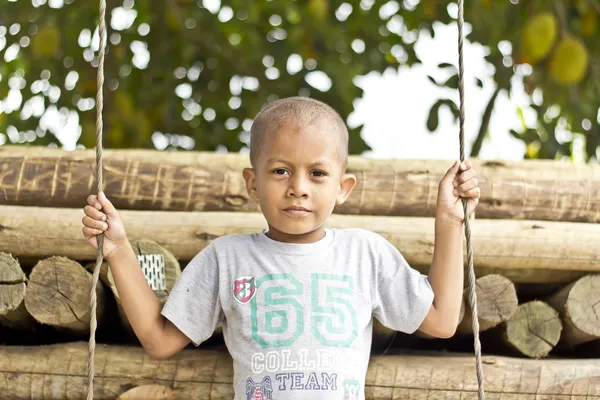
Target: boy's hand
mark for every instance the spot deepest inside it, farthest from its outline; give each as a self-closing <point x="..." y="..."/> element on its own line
<point x="459" y="181"/>
<point x="102" y="217"/>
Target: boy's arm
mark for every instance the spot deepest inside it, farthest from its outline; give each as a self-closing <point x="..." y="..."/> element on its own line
<point x="160" y="338"/>
<point x="446" y="277"/>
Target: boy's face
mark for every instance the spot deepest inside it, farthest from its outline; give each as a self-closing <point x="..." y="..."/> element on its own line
<point x="298" y="168"/>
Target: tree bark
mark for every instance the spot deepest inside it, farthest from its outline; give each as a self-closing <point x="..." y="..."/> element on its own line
<point x="59" y="372"/>
<point x="12" y="294"/>
<point x="579" y="307"/>
<point x="533" y="330"/>
<point x="58" y="294"/>
<point x="200" y="181"/>
<point x="504" y="245"/>
<point x="496" y="302"/>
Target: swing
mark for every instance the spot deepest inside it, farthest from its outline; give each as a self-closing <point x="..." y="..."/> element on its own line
<point x="99" y="257"/>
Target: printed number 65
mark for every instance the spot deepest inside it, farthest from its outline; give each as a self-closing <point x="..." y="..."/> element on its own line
<point x="281" y="322"/>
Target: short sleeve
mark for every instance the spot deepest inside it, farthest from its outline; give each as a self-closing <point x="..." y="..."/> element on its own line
<point x="193" y="305"/>
<point x="402" y="295"/>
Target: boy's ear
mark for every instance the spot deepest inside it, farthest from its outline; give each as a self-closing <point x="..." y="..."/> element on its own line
<point x="347" y="183"/>
<point x="250" y="178"/>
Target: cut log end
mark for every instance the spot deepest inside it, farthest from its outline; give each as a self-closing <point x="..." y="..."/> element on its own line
<point x="579" y="306"/>
<point x="12" y="294"/>
<point x="583" y="305"/>
<point x="496" y="302"/>
<point x="534" y="329"/>
<point x="58" y="294"/>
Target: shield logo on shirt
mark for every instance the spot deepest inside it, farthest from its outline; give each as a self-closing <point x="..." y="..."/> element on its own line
<point x="244" y="289"/>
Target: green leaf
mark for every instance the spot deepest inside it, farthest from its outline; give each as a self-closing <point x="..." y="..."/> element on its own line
<point x="452" y="82"/>
<point x="515" y="134"/>
<point x="433" y="118"/>
<point x="445" y="65"/>
<point x="432" y="80"/>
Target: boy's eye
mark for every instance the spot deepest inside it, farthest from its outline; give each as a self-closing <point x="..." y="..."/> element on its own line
<point x="282" y="171"/>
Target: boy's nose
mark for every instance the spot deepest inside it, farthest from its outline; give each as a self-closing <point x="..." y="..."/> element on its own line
<point x="298" y="188"/>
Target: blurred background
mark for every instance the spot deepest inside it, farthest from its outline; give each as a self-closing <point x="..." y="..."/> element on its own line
<point x="191" y="74"/>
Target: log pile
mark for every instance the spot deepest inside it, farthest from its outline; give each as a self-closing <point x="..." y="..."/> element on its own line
<point x="59" y="372"/>
<point x="535" y="252"/>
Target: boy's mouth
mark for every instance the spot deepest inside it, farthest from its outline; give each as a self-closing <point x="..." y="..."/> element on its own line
<point x="296" y="211"/>
<point x="296" y="208"/>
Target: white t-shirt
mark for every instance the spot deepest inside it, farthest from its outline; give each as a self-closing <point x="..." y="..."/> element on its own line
<point x="297" y="318"/>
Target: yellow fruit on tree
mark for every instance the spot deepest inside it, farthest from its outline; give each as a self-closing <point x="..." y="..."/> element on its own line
<point x="538" y="36"/>
<point x="569" y="61"/>
<point x="46" y="42"/>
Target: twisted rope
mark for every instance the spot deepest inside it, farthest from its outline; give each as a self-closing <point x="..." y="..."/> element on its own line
<point x="472" y="292"/>
<point x="99" y="257"/>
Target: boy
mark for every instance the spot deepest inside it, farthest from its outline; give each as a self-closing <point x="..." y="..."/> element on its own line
<point x="296" y="301"/>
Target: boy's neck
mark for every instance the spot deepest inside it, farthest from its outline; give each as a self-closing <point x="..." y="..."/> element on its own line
<point x="308" y="237"/>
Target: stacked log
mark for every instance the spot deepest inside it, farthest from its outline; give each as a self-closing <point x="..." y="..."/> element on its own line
<point x="59" y="372"/>
<point x="201" y="181"/>
<point x="579" y="306"/>
<point x="523" y="250"/>
<point x="534" y="329"/>
<point x="535" y="253"/>
<point x="58" y="294"/>
<point x="496" y="302"/>
<point x="12" y="294"/>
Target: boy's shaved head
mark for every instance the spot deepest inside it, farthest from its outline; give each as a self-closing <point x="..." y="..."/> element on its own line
<point x="299" y="112"/>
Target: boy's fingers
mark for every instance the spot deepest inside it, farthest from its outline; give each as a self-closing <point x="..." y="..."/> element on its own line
<point x="464" y="176"/>
<point x="94" y="213"/>
<point x="92" y="223"/>
<point x="472" y="193"/>
<point x="463" y="188"/>
<point x="89" y="232"/>
<point x="107" y="206"/>
<point x="93" y="201"/>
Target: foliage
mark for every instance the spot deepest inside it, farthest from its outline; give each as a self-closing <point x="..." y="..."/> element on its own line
<point x="213" y="64"/>
<point x="563" y="110"/>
